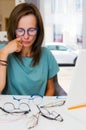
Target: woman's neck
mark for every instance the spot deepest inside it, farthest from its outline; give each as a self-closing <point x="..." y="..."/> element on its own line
<point x="26" y="52"/>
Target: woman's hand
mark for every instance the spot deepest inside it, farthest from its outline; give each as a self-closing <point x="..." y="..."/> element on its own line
<point x="13" y="46"/>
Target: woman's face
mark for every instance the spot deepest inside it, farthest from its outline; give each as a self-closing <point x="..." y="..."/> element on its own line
<point x="27" y="30"/>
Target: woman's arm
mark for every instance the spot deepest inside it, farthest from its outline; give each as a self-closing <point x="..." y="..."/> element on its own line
<point x="13" y="46"/>
<point x="3" y="66"/>
<point x="50" y="89"/>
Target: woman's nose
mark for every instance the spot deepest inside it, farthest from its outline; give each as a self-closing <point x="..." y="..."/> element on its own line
<point x="26" y="35"/>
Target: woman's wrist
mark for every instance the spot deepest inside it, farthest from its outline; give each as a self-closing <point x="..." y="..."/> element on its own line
<point x="3" y="55"/>
<point x="3" y="61"/>
<point x="3" y="64"/>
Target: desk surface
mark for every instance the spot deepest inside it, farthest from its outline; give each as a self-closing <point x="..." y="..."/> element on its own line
<point x="20" y="122"/>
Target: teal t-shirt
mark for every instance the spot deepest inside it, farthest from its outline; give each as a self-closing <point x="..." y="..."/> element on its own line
<point x="23" y="79"/>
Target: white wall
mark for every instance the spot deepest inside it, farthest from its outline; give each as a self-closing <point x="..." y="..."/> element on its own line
<point x="84" y="23"/>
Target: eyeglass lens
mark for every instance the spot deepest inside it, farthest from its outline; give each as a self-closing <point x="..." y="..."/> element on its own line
<point x="50" y="115"/>
<point x="37" y="99"/>
<point x="10" y="107"/>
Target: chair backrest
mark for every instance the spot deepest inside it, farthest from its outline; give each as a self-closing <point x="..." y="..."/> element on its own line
<point x="59" y="91"/>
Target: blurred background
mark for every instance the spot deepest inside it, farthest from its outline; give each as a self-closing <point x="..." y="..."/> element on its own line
<point x="65" y="30"/>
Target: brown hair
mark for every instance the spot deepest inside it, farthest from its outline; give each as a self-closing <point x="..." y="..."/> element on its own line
<point x="22" y="10"/>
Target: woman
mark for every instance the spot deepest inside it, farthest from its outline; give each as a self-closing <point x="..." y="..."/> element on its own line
<point x="25" y="66"/>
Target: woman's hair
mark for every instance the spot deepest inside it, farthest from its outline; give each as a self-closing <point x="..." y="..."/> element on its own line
<point x="20" y="11"/>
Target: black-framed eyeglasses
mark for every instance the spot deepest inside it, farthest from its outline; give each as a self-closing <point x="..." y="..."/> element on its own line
<point x="30" y="31"/>
<point x="22" y="104"/>
<point x="10" y="108"/>
<point x="50" y="115"/>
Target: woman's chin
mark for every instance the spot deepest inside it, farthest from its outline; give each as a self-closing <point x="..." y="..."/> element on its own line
<point x="26" y="44"/>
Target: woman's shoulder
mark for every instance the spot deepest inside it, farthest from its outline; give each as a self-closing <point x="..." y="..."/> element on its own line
<point x="46" y="51"/>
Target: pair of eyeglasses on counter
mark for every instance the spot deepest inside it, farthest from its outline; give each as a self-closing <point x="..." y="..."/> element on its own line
<point x="23" y="106"/>
<point x="10" y="108"/>
<point x="53" y="115"/>
<point x="53" y="104"/>
<point x="44" y="112"/>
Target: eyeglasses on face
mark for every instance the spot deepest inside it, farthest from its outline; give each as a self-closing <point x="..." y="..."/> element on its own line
<point x="30" y="31"/>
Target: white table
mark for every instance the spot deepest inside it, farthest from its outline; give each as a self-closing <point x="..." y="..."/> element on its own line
<point x="69" y="123"/>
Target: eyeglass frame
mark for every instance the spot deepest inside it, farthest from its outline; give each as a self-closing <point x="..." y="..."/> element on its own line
<point x="12" y="112"/>
<point x="32" y="97"/>
<point x="28" y="31"/>
<point x="35" y="118"/>
<point x="54" y="104"/>
<point x="48" y="117"/>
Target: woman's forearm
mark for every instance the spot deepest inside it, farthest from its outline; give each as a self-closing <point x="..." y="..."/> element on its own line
<point x="49" y="92"/>
<point x="50" y="88"/>
<point x="3" y="66"/>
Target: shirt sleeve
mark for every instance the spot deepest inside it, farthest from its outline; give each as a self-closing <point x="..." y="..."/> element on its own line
<point x="53" y="65"/>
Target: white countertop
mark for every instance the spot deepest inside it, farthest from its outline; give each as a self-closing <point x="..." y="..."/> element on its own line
<point x="70" y="122"/>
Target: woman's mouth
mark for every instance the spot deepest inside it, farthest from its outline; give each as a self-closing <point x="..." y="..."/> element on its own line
<point x="25" y="42"/>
